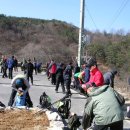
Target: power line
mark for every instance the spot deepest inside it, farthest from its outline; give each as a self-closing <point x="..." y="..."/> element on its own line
<point x="91" y="18"/>
<point x="118" y="12"/>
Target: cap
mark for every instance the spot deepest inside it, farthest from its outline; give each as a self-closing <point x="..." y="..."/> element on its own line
<point x="29" y="59"/>
<point x="91" y="62"/>
<point x="19" y="82"/>
<point x="114" y="72"/>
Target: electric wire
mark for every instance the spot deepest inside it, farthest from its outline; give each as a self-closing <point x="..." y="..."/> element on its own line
<point x="91" y="18"/>
<point x="118" y="12"/>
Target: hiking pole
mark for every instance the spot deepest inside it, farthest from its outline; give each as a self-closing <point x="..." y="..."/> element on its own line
<point x="43" y="110"/>
<point x="66" y="96"/>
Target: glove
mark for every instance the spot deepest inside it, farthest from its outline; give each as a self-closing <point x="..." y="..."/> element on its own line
<point x="93" y="84"/>
<point x="84" y="87"/>
<point x="88" y="86"/>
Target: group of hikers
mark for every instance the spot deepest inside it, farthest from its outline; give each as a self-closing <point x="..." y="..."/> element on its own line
<point x="103" y="108"/>
<point x="10" y="64"/>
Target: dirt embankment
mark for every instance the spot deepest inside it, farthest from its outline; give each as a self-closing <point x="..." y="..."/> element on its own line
<point x="23" y="120"/>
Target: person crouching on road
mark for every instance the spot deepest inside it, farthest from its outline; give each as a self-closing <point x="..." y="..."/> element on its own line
<point x="103" y="108"/>
<point x="19" y="81"/>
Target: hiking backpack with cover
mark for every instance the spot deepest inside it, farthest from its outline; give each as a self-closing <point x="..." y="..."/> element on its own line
<point x="45" y="101"/>
<point x="64" y="108"/>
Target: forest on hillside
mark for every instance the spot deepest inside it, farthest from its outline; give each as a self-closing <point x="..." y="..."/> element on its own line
<point x="47" y="39"/>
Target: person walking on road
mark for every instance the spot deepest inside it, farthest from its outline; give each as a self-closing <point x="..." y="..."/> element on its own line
<point x="4" y="66"/>
<point x="29" y="70"/>
<point x="10" y="64"/>
<point x="19" y="81"/>
<point x="59" y="78"/>
<point x="15" y="64"/>
<point x="53" y="68"/>
<point x="67" y="77"/>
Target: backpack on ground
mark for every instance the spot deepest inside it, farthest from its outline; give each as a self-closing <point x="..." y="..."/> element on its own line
<point x="73" y="122"/>
<point x="64" y="108"/>
<point x="44" y="101"/>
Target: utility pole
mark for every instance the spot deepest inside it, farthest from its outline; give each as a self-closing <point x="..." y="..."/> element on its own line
<point x="81" y="29"/>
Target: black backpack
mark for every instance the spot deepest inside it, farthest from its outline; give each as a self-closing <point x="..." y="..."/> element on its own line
<point x="73" y="122"/>
<point x="64" y="109"/>
<point x="44" y="101"/>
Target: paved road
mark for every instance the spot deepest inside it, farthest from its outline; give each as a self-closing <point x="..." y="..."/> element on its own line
<point x="41" y="84"/>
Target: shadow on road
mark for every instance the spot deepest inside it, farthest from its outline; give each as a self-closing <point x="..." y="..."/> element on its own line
<point x="43" y="85"/>
<point x="78" y="97"/>
<point x="5" y="83"/>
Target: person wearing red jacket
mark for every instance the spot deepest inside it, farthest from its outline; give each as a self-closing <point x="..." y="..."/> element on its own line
<point x="53" y="68"/>
<point x="96" y="76"/>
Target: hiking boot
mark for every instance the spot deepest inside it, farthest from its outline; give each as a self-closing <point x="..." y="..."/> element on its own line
<point x="63" y="92"/>
<point x="56" y="91"/>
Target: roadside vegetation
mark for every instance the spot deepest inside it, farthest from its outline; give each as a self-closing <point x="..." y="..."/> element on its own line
<point x="46" y="39"/>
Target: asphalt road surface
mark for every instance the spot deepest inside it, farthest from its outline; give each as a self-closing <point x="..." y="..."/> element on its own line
<point x="42" y="84"/>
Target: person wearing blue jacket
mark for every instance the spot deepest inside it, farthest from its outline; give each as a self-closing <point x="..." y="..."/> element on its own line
<point x="87" y="74"/>
<point x="10" y="65"/>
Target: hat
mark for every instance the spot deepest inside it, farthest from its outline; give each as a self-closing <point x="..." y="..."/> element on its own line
<point x="29" y="59"/>
<point x="114" y="72"/>
<point x="19" y="82"/>
<point x="92" y="62"/>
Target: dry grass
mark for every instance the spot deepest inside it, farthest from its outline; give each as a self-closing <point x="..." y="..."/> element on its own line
<point x="22" y="120"/>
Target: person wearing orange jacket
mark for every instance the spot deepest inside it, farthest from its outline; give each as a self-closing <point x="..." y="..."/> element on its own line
<point x="96" y="76"/>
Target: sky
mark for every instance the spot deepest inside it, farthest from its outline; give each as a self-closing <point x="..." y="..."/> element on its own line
<point x="108" y="15"/>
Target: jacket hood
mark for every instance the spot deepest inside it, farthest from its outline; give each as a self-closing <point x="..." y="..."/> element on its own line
<point x="98" y="90"/>
<point x="68" y="67"/>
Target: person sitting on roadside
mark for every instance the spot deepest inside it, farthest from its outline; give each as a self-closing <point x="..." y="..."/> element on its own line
<point x="20" y="81"/>
<point x="103" y="109"/>
<point x="96" y="76"/>
<point x="78" y="79"/>
<point x="109" y="77"/>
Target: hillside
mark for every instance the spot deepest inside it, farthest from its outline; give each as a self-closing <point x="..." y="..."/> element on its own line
<point x="47" y="39"/>
<point x="42" y="39"/>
